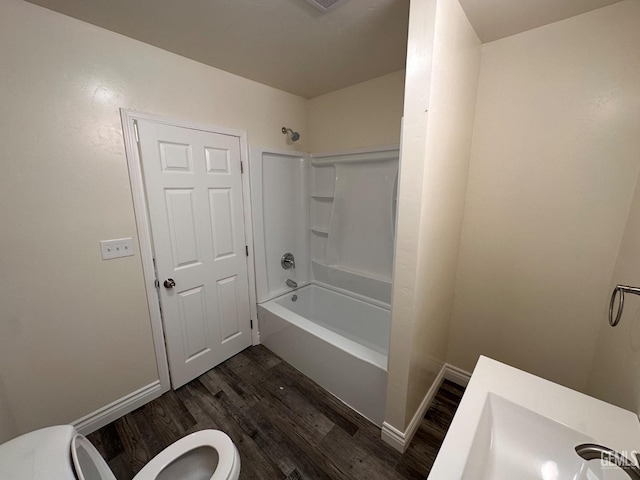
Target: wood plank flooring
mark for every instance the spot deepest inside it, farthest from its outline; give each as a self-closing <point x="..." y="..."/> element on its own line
<point x="284" y="425"/>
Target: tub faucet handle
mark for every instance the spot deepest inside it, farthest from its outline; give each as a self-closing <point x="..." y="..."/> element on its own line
<point x="287" y="261"/>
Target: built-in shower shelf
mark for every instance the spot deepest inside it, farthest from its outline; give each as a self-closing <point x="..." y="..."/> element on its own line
<point x="351" y="271"/>
<point x="320" y="230"/>
<point x="368" y="284"/>
<point x="322" y="196"/>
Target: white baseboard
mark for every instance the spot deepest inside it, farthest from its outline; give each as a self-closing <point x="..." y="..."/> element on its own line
<point x="394" y="437"/>
<point x="107" y="414"/>
<point x="456" y="375"/>
<point x="401" y="440"/>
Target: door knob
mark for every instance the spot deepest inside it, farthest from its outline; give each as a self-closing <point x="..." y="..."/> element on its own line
<point x="169" y="283"/>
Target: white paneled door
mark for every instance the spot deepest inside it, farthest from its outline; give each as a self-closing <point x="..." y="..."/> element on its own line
<point x="194" y="192"/>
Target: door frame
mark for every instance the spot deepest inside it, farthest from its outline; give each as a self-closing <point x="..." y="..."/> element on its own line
<point x="143" y="226"/>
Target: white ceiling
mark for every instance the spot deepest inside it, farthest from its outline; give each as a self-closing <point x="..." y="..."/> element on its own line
<point x="289" y="44"/>
<point x="494" y="19"/>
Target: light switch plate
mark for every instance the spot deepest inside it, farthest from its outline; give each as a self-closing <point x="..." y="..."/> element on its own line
<point x="120" y="247"/>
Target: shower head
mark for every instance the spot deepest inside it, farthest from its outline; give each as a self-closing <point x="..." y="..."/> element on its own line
<point x="293" y="136"/>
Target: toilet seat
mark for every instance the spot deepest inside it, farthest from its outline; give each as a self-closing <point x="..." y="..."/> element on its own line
<point x="87" y="461"/>
<point x="228" y="467"/>
<point x="61" y="453"/>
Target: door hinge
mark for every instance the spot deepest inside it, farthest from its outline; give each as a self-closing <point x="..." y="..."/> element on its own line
<point x="246" y="249"/>
<point x="251" y="322"/>
<point x="241" y="166"/>
<point x="135" y="130"/>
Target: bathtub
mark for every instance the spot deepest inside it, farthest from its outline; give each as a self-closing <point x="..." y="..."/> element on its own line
<point x="338" y="341"/>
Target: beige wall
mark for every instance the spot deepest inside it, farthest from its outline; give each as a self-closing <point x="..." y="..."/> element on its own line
<point x="442" y="75"/>
<point x="414" y="130"/>
<point x="8" y="428"/>
<point x="363" y="115"/>
<point x="615" y="375"/>
<point x="553" y="168"/>
<point x="74" y="330"/>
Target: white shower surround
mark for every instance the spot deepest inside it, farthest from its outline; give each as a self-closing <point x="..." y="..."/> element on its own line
<point x="337" y="331"/>
<point x="337" y="340"/>
<point x="280" y="199"/>
<point x="354" y="252"/>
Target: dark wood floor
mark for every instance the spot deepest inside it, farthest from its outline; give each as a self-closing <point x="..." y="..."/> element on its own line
<point x="284" y="425"/>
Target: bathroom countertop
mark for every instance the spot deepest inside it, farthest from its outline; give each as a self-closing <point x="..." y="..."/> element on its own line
<point x="609" y="425"/>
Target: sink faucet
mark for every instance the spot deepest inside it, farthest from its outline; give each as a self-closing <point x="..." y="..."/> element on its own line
<point x="292" y="284"/>
<point x="592" y="451"/>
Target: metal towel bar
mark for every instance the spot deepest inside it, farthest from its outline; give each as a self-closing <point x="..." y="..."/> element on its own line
<point x="622" y="289"/>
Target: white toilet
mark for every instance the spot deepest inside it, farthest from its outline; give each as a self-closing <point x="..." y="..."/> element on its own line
<point x="61" y="453"/>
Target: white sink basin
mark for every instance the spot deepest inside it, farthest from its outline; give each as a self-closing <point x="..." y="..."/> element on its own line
<point x="512" y="442"/>
<point x="512" y="425"/>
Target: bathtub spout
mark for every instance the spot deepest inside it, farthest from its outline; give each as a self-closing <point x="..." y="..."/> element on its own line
<point x="291" y="283"/>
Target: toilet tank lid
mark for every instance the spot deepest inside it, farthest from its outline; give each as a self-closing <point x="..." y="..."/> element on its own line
<point x="39" y="455"/>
